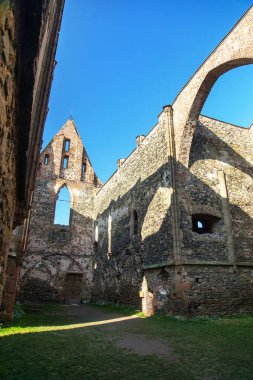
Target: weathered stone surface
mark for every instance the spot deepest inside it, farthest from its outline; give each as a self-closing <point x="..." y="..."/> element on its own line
<point x="26" y="68"/>
<point x="55" y="250"/>
<point x="188" y="167"/>
<point x="173" y="225"/>
<point x="7" y="133"/>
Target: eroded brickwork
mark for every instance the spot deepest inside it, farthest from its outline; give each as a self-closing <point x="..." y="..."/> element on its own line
<point x="54" y="250"/>
<point x="141" y="184"/>
<point x="217" y="147"/>
<point x="172" y="227"/>
<point x="193" y="196"/>
<point x="26" y="68"/>
<point x="7" y="133"/>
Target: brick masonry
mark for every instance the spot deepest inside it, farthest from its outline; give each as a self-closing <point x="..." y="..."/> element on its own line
<point x="144" y="224"/>
<point x="56" y="250"/>
<point x="26" y="69"/>
<point x="7" y="133"/>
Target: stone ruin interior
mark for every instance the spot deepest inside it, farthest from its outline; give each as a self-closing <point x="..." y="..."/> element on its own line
<point x="170" y="231"/>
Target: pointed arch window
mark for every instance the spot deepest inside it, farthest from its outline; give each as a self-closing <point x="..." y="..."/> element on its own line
<point x="66" y="145"/>
<point x="62" y="208"/>
<point x="65" y="162"/>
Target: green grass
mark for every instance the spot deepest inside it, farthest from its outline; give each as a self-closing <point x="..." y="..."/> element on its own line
<point x="48" y="346"/>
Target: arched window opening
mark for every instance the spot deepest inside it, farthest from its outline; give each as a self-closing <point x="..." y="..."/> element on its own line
<point x="62" y="207"/>
<point x="205" y="224"/>
<point x="84" y="167"/>
<point x="65" y="162"/>
<point x="46" y="159"/>
<point x="134" y="223"/>
<point x="231" y="97"/>
<point x="66" y="145"/>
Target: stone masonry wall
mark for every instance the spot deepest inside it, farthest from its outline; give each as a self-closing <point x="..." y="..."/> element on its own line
<point x="207" y="289"/>
<point x="173" y="225"/>
<point x="55" y="250"/>
<point x="214" y="276"/>
<point x="218" y="146"/>
<point x="141" y="185"/>
<point x="7" y="132"/>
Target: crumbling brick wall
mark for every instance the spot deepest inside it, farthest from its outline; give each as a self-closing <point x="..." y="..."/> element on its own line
<point x="7" y="133"/>
<point x="141" y="185"/>
<point x="209" y="282"/>
<point x="55" y="250"/>
<point x="173" y="225"/>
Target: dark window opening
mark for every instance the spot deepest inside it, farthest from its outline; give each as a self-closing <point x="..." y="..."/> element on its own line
<point x="134" y="223"/>
<point x="135" y="217"/>
<point x="84" y="167"/>
<point x="205" y="224"/>
<point x="65" y="162"/>
<point x="66" y="145"/>
<point x="46" y="159"/>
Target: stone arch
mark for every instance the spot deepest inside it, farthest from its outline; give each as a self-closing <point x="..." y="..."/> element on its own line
<point x="209" y="81"/>
<point x="60" y="186"/>
<point x="235" y="50"/>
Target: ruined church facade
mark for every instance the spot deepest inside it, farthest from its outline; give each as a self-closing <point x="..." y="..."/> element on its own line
<point x="58" y="262"/>
<point x="171" y="230"/>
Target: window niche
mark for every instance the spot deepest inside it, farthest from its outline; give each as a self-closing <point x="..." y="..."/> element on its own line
<point x="65" y="162"/>
<point x="96" y="233"/>
<point x="205" y="224"/>
<point x="109" y="236"/>
<point x="84" y="168"/>
<point x="66" y="145"/>
<point x="134" y="223"/>
<point x="62" y="215"/>
<point x="46" y="159"/>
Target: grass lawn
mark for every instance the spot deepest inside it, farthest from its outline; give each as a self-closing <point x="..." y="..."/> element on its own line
<point x="86" y="343"/>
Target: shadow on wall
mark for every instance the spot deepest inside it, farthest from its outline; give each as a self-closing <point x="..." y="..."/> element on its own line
<point x="45" y="269"/>
<point x="56" y="252"/>
<point x="118" y="278"/>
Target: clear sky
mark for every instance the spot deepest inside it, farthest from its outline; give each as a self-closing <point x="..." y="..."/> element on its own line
<point x="62" y="209"/>
<point x="121" y="61"/>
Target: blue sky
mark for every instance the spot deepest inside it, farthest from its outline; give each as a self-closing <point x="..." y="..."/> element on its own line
<point x="62" y="208"/>
<point x="121" y="61"/>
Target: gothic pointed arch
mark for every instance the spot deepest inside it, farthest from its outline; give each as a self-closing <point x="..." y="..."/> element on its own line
<point x="62" y="215"/>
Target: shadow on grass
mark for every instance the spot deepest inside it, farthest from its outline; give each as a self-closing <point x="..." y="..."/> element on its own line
<point x="81" y="342"/>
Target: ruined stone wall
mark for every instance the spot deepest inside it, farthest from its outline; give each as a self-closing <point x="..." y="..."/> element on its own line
<point x="55" y="250"/>
<point x="219" y="289"/>
<point x="215" y="271"/>
<point x="173" y="225"/>
<point x="20" y="138"/>
<point x="142" y="183"/>
<point x="220" y="160"/>
<point x="7" y="133"/>
<point x="213" y="275"/>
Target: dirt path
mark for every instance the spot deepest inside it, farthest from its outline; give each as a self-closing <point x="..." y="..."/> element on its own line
<point x="120" y="329"/>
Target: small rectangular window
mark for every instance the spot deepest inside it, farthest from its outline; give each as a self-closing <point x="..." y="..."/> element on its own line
<point x="65" y="162"/>
<point x="66" y="145"/>
<point x="46" y="159"/>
